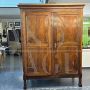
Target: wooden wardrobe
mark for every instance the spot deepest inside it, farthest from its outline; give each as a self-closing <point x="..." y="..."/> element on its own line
<point x="52" y="40"/>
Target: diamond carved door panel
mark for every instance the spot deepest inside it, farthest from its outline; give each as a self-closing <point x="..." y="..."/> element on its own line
<point x="39" y="61"/>
<point x="67" y="43"/>
<point x="38" y="43"/>
<point x="38" y="29"/>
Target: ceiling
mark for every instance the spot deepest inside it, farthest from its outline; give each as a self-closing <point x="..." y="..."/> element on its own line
<point x="70" y="1"/>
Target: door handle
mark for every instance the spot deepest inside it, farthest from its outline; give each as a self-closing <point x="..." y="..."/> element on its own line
<point x="55" y="45"/>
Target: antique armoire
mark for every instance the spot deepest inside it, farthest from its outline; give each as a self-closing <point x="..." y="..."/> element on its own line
<point x="51" y="40"/>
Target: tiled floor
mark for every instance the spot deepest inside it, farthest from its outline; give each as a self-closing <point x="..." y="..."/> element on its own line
<point x="11" y="78"/>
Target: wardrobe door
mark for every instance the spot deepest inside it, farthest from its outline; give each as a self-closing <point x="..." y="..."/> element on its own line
<point x="38" y="41"/>
<point x="67" y="42"/>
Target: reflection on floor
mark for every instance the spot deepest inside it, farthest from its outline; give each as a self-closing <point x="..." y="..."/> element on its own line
<point x="12" y="63"/>
<point x="11" y="78"/>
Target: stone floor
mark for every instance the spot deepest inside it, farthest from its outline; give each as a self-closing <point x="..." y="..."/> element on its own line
<point x="11" y="78"/>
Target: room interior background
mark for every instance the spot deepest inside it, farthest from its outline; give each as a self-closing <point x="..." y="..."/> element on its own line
<point x="10" y="14"/>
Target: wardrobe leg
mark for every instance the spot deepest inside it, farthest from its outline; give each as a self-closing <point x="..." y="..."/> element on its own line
<point x="80" y="81"/>
<point x="72" y="81"/>
<point x="25" y="84"/>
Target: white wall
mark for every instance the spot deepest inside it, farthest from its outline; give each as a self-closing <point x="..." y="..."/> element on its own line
<point x="86" y="10"/>
<point x="0" y="27"/>
<point x="86" y="58"/>
<point x="9" y="11"/>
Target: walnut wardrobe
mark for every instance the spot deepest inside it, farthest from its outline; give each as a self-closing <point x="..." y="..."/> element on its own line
<point x="51" y="40"/>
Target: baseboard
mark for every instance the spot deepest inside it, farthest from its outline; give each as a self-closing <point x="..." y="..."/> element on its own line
<point x="85" y="67"/>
